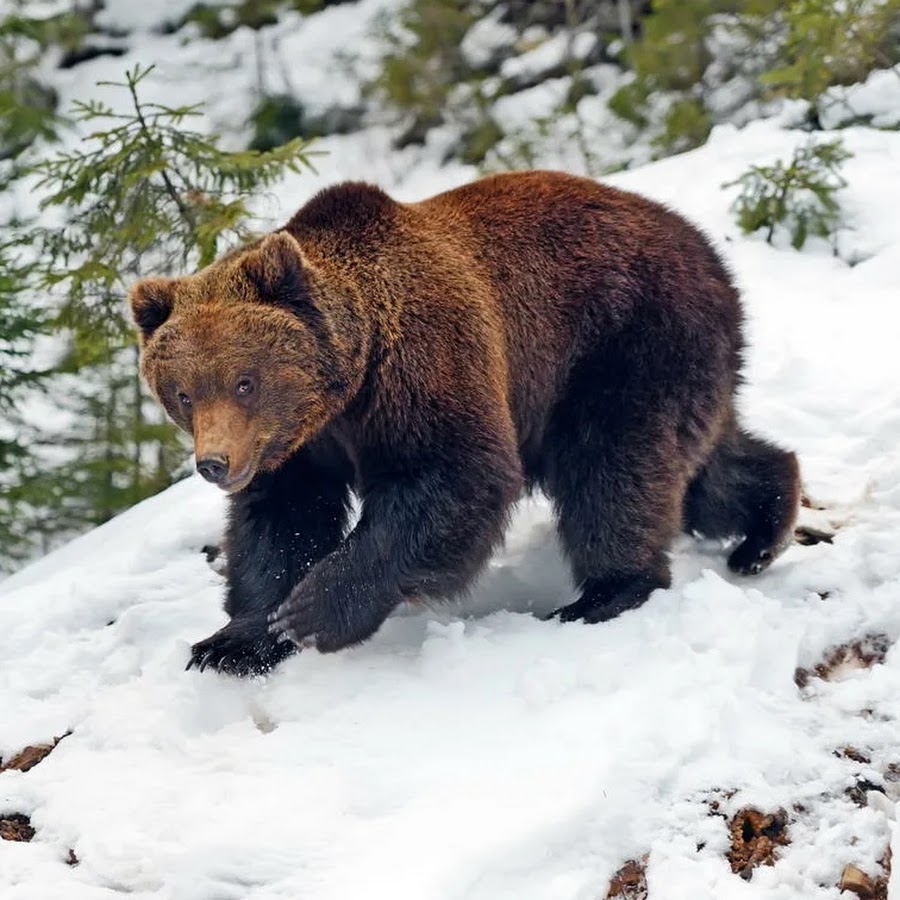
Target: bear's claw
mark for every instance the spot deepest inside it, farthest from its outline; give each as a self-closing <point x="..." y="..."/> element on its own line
<point x="310" y="621"/>
<point x="242" y="647"/>
<point x="753" y="556"/>
<point x="603" y="599"/>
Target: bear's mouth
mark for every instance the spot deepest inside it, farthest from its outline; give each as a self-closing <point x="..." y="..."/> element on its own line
<point x="239" y="480"/>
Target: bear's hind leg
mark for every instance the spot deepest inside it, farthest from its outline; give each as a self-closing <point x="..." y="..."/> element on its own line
<point x="615" y="472"/>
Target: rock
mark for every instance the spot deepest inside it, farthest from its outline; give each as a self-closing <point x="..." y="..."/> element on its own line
<point x="857" y="882"/>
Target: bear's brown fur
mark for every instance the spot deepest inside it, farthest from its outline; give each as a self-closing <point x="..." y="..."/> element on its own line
<point x="438" y="357"/>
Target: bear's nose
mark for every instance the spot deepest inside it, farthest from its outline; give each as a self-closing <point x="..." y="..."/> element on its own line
<point x="213" y="468"/>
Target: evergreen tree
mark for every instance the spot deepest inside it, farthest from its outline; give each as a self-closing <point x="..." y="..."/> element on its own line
<point x="22" y="323"/>
<point x="827" y="42"/>
<point x="798" y="195"/>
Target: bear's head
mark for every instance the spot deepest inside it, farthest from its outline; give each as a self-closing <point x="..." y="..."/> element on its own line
<point x="247" y="356"/>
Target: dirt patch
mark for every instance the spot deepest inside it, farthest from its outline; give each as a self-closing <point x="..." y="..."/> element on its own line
<point x="630" y="882"/>
<point x="809" y="536"/>
<point x="855" y="881"/>
<point x="15" y="827"/>
<point x="755" y="836"/>
<point x="858" y="793"/>
<point x="29" y="757"/>
<point x="863" y="653"/>
<point x="856" y="755"/>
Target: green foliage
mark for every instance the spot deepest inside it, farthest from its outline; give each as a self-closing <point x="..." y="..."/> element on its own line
<point x="478" y="141"/>
<point x="628" y="102"/>
<point x="215" y="21"/>
<point x="27" y="108"/>
<point x="799" y="194"/>
<point x="829" y="42"/>
<point x="218" y="21"/>
<point x="145" y="188"/>
<point x="672" y="54"/>
<point x="796" y="49"/>
<point x="581" y="86"/>
<point x="65" y="30"/>
<point x="685" y="126"/>
<point x="422" y="60"/>
<point x="21" y="322"/>
<point x="278" y="119"/>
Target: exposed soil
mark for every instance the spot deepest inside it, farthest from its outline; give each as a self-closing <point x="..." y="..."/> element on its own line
<point x="15" y="827"/>
<point x="863" y="653"/>
<point x="630" y="882"/>
<point x="29" y="757"/>
<point x="856" y="755"/>
<point x="755" y="836"/>
<point x="858" y="792"/>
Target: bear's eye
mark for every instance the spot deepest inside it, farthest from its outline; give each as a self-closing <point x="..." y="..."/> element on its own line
<point x="245" y="386"/>
<point x="183" y="399"/>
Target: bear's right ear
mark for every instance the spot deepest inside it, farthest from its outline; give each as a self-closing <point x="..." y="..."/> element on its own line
<point x="277" y="273"/>
<point x="151" y="303"/>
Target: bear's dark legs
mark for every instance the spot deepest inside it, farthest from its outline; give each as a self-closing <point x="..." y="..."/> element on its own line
<point x="618" y="509"/>
<point x="419" y="536"/>
<point x="750" y="489"/>
<point x="614" y="465"/>
<point x="278" y="527"/>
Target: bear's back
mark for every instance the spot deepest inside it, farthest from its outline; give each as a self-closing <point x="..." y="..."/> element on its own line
<point x="544" y="268"/>
<point x="576" y="266"/>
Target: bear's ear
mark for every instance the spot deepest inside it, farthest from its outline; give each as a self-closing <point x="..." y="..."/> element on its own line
<point x="151" y="303"/>
<point x="276" y="271"/>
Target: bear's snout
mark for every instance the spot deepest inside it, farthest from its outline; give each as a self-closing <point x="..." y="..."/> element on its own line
<point x="213" y="468"/>
<point x="225" y="439"/>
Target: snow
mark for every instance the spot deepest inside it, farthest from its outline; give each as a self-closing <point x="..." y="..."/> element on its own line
<point x="486" y="38"/>
<point x="126" y="15"/>
<point x="549" y="54"/>
<point x="877" y="98"/>
<point x="472" y="751"/>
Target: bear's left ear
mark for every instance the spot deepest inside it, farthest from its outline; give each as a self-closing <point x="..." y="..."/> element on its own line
<point x="276" y="271"/>
<point x="151" y="302"/>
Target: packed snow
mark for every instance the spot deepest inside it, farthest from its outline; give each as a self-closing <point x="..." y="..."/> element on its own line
<point x="471" y="751"/>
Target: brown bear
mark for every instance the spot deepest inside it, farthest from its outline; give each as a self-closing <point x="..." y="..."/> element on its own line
<point x="437" y="359"/>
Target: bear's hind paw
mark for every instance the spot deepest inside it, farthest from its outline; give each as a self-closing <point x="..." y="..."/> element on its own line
<point x="603" y="599"/>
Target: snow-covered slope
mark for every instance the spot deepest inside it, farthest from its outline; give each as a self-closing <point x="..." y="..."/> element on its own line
<point x="474" y="751"/>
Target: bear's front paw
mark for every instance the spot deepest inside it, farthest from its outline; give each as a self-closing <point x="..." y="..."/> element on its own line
<point x="308" y="620"/>
<point x="242" y="647"/>
<point x="303" y="621"/>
